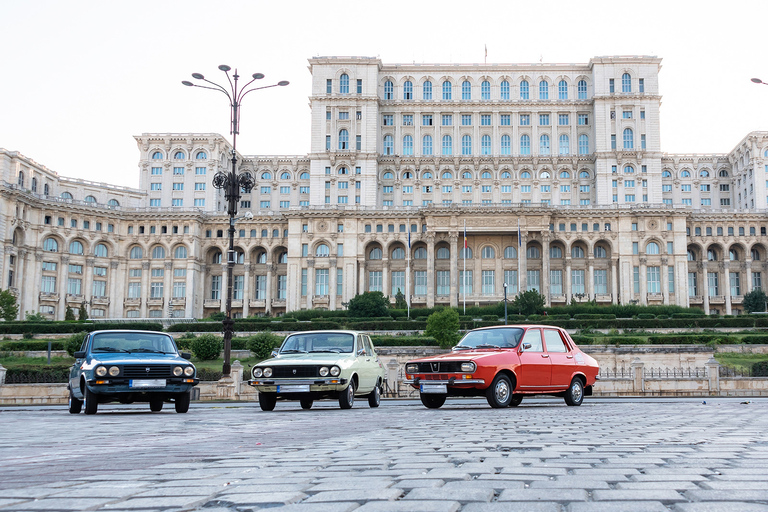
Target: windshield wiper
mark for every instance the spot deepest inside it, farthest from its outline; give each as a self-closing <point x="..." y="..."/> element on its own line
<point x="487" y="345"/>
<point x="323" y="350"/>
<point x="135" y="350"/>
<point x="462" y="347"/>
<point x="293" y="351"/>
<point x="110" y="349"/>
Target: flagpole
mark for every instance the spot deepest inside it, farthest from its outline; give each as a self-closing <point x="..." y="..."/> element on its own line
<point x="519" y="248"/>
<point x="464" y="277"/>
<point x="408" y="273"/>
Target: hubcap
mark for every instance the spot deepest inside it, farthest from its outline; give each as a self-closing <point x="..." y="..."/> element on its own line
<point x="576" y="391"/>
<point x="502" y="391"/>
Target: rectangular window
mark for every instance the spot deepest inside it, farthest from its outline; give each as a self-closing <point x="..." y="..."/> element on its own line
<point x="321" y="281"/>
<point x="447" y="120"/>
<point x="199" y="186"/>
<point x="510" y="277"/>
<point x="199" y="202"/>
<point x="426" y="120"/>
<point x="543" y="119"/>
<point x="200" y="171"/>
<point x="156" y="289"/>
<point x="388" y="120"/>
<point x="177" y="202"/>
<point x="642" y="141"/>
<point x="692" y="288"/>
<point x="556" y="282"/>
<point x="534" y="279"/>
<point x="613" y="141"/>
<point x="157" y="171"/>
<point x="155" y="186"/>
<point x="303" y="282"/>
<point x="505" y="119"/>
<point x="562" y="119"/>
<point x="485" y="119"/>
<point x="671" y="278"/>
<point x="735" y="284"/>
<point x="577" y="281"/>
<point x="178" y="186"/>
<point x="134" y="290"/>
<point x="525" y="120"/>
<point x="713" y="282"/>
<point x="465" y="282"/>
<point x="443" y="283"/>
<point x="374" y="281"/>
<point x="421" y="283"/>
<point x="641" y="84"/>
<point x="601" y="281"/>
<point x="178" y="171"/>
<point x="179" y="289"/>
<point x="583" y="119"/>
<point x="48" y="284"/>
<point x="654" y="279"/>
<point x="398" y="282"/>
<point x="489" y="282"/>
<point x="636" y="279"/>
<point x="757" y="281"/>
<point x="626" y="114"/>
<point x="466" y="119"/>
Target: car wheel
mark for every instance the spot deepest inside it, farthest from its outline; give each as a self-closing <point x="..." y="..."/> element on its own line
<point x="575" y="394"/>
<point x="516" y="399"/>
<point x="90" y="400"/>
<point x="499" y="393"/>
<point x="374" y="398"/>
<point x="267" y="401"/>
<point x="74" y="404"/>
<point x="155" y="404"/>
<point x="306" y="403"/>
<point x="182" y="402"/>
<point x="431" y="401"/>
<point x="347" y="397"/>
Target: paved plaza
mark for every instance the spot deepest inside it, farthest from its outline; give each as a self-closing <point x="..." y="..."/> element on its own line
<point x="643" y="455"/>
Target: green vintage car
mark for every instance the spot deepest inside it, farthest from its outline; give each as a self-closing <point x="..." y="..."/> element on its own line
<point x="320" y="364"/>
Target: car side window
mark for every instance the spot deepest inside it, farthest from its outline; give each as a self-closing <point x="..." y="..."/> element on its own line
<point x="368" y="346"/>
<point x="554" y="341"/>
<point x="533" y="336"/>
<point x="361" y="345"/>
<point x="85" y="344"/>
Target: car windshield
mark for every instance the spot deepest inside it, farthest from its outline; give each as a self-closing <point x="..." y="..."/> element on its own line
<point x="337" y="342"/>
<point x="492" y="338"/>
<point x="133" y="342"/>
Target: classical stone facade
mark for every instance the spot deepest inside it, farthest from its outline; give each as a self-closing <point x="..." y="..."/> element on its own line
<point x="553" y="173"/>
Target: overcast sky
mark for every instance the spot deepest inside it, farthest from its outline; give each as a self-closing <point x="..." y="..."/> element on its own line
<point x="80" y="78"/>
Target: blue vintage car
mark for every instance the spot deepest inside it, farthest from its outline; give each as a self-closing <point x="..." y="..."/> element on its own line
<point x="130" y="366"/>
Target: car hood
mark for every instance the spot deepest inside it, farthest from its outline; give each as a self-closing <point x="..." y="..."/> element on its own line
<point x="466" y="355"/>
<point x="137" y="358"/>
<point x="307" y="359"/>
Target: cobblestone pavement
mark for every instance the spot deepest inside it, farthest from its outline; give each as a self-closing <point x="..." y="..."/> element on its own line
<point x="607" y="455"/>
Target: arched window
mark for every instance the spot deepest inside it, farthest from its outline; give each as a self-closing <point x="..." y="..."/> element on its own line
<point x="562" y="90"/>
<point x="45" y="189"/>
<point x="157" y="155"/>
<point x="322" y="250"/>
<point x="524" y="90"/>
<point x="555" y="252"/>
<point x="544" y="175"/>
<point x="733" y="255"/>
<point x="755" y="255"/>
<point x="629" y="138"/>
<point x="487" y="253"/>
<point x="626" y="83"/>
<point x="765" y="153"/>
<point x="426" y="90"/>
<point x="447" y="90"/>
<point x="389" y="145"/>
<point x="90" y="199"/>
<point x="723" y="173"/>
<point x="389" y="90"/>
<point x="34" y="184"/>
<point x="201" y="155"/>
<point x="533" y="253"/>
<point x="408" y="145"/>
<point x="525" y="145"/>
<point x="374" y="254"/>
<point x="544" y="144"/>
<point x="485" y="90"/>
<point x="66" y="195"/>
<point x="600" y="252"/>
<point x="691" y="255"/>
<point x="466" y="90"/>
<point x="564" y="144"/>
<point x="505" y="175"/>
<point x="543" y="90"/>
<point x="628" y="169"/>
<point x="75" y="247"/>
<point x="652" y="248"/>
<point x="113" y="202"/>
<point x="136" y="253"/>
<point x="100" y="251"/>
<point x="685" y="174"/>
<point x="584" y="174"/>
<point x="486" y="175"/>
<point x="447" y="175"/>
<point x="51" y="245"/>
<point x="180" y="253"/>
<point x="447" y="145"/>
<point x="388" y="176"/>
<point x="510" y="253"/>
<point x="426" y="145"/>
<point x="398" y="253"/>
<point x="485" y="145"/>
<point x="577" y="252"/>
<point x="704" y="174"/>
<point x="583" y="144"/>
<point x="420" y="253"/>
<point x="239" y="257"/>
<point x="266" y="176"/>
<point x="216" y="257"/>
<point x="344" y="139"/>
<point x="344" y="84"/>
<point x="465" y="253"/>
<point x="261" y="257"/>
<point x="711" y="255"/>
<point x="407" y="175"/>
<point x="304" y="175"/>
<point x="275" y="233"/>
<point x="504" y="90"/>
<point x="443" y="253"/>
<point x="466" y="145"/>
<point x="666" y="174"/>
<point x="525" y="175"/>
<point x="582" y="89"/>
<point x="158" y="252"/>
<point x="506" y="145"/>
<point x="179" y="155"/>
<point x="285" y="175"/>
<point x="466" y="175"/>
<point x="283" y="257"/>
<point x="426" y="175"/>
<point x="565" y="175"/>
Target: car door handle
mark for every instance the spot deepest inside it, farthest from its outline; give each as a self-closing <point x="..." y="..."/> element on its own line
<point x="569" y="357"/>
<point x="544" y="355"/>
<point x="368" y="359"/>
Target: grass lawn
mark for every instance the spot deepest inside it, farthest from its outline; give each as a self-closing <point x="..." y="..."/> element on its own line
<point x="739" y="361"/>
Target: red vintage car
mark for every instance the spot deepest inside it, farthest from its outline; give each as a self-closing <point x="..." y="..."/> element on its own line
<point x="506" y="363"/>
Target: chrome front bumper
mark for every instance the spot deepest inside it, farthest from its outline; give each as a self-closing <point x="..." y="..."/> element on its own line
<point x="450" y="382"/>
<point x="331" y="381"/>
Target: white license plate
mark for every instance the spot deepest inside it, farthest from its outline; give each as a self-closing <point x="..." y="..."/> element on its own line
<point x="434" y="388"/>
<point x="147" y="383"/>
<point x="296" y="388"/>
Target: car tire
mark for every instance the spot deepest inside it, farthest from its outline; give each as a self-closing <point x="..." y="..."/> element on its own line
<point x="431" y="401"/>
<point x="155" y="404"/>
<point x="516" y="399"/>
<point x="267" y="401"/>
<point x="575" y="394"/>
<point x="306" y="403"/>
<point x="499" y="393"/>
<point x="374" y="398"/>
<point x="182" y="402"/>
<point x="90" y="400"/>
<point x="75" y="405"/>
<point x="347" y="397"/>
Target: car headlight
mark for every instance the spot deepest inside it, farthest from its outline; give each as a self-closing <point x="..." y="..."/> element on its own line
<point x="412" y="368"/>
<point x="468" y="367"/>
<point x="189" y="371"/>
<point x="267" y="372"/>
<point x="335" y="371"/>
<point x="178" y="371"/>
<point x="101" y="371"/>
<point x="324" y="371"/>
<point x="257" y="372"/>
<point x="114" y="371"/>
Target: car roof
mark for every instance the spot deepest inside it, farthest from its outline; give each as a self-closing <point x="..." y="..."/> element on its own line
<point x="327" y="331"/>
<point x="130" y="330"/>
<point x="519" y="326"/>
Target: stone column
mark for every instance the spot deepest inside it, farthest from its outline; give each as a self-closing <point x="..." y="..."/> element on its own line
<point x="522" y="263"/>
<point x="665" y="280"/>
<point x="748" y="284"/>
<point x="18" y="279"/>
<point x="267" y="291"/>
<point x="705" y="286"/>
<point x="61" y="288"/>
<point x="361" y="264"/>
<point x="589" y="281"/>
<point x="455" y="270"/>
<point x="247" y="290"/>
<point x="37" y="279"/>
<point x="332" y="284"/>
<point x="713" y="376"/>
<point x="116" y="290"/>
<point x="431" y="281"/>
<point x="615" y="292"/>
<point x="727" y="275"/>
<point x="643" y="281"/>
<point x="567" y="281"/>
<point x="145" y="272"/>
<point x="310" y="281"/>
<point x="386" y="286"/>
<point x="224" y="284"/>
<point x="191" y="290"/>
<point x="168" y="286"/>
<point x="545" y="268"/>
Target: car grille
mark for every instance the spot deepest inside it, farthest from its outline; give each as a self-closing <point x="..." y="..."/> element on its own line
<point x="156" y="371"/>
<point x="280" y="372"/>
<point x="440" y="367"/>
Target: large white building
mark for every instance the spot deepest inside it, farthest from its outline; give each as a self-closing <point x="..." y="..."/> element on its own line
<point x="403" y="156"/>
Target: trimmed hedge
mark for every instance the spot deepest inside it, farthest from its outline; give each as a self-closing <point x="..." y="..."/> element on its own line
<point x="755" y="339"/>
<point x="403" y="341"/>
<point x="207" y="374"/>
<point x="594" y="316"/>
<point x="388" y="325"/>
<point x="70" y="327"/>
<point x="35" y="374"/>
<point x="760" y="369"/>
<point x="255" y="326"/>
<point x="26" y="345"/>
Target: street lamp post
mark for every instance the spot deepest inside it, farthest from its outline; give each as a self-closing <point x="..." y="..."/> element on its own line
<point x="232" y="182"/>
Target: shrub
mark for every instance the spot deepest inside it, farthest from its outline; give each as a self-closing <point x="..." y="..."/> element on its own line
<point x="206" y="347"/>
<point x="28" y="335"/>
<point x="594" y="316"/>
<point x="490" y="318"/>
<point x="263" y="344"/>
<point x="368" y="304"/>
<point x="646" y="316"/>
<point x="208" y="374"/>
<point x="184" y="340"/>
<point x="755" y="339"/>
<point x="74" y="342"/>
<point x="760" y="369"/>
<point x="444" y="327"/>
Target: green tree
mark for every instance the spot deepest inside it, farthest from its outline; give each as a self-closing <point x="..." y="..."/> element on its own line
<point x="34" y="317"/>
<point x="444" y="325"/>
<point x="69" y="315"/>
<point x="529" y="302"/>
<point x="369" y="305"/>
<point x="82" y="313"/>
<point x="400" y="302"/>
<point x="9" y="310"/>
<point x="755" y="301"/>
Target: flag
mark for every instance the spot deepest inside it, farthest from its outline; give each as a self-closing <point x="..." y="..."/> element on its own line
<point x="486" y="51"/>
<point x="519" y="235"/>
<point x="409" y="240"/>
<point x="465" y="235"/>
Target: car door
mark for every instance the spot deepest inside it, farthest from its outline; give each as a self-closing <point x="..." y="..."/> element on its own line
<point x="535" y="373"/>
<point x="74" y="373"/>
<point x="560" y="357"/>
<point x="365" y="364"/>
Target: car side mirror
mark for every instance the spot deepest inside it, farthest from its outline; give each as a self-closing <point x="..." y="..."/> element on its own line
<point x="273" y="354"/>
<point x="80" y="354"/>
<point x="186" y="355"/>
<point x="526" y="346"/>
<point x="361" y="352"/>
